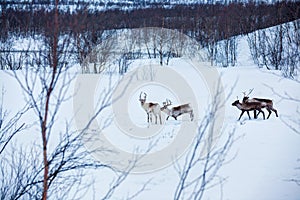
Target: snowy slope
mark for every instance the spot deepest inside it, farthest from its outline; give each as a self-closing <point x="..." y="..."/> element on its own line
<point x="268" y="151"/>
<point x="265" y="155"/>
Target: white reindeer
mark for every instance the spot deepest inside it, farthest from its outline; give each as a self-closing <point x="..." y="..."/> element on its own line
<point x="150" y="108"/>
<point x="177" y="110"/>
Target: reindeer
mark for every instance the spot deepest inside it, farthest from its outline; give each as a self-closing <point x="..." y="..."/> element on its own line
<point x="177" y="110"/>
<point x="267" y="103"/>
<point x="150" y="108"/>
<point x="249" y="106"/>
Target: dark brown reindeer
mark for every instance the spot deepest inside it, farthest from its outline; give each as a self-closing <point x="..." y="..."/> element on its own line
<point x="249" y="106"/>
<point x="267" y="103"/>
<point x="150" y="108"/>
<point x="177" y="110"/>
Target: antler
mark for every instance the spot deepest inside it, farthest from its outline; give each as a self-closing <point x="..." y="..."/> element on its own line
<point x="145" y="95"/>
<point x="141" y="95"/>
<point x="250" y="91"/>
<point x="168" y="102"/>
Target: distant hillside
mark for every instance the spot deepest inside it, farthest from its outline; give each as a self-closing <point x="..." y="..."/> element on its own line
<point x="77" y="31"/>
<point x="117" y="4"/>
<point x="204" y="22"/>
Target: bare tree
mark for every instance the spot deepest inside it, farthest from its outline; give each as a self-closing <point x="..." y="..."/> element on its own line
<point x="56" y="165"/>
<point x="226" y="51"/>
<point x="100" y="57"/>
<point x="10" y="126"/>
<point x="199" y="171"/>
<point x="277" y="48"/>
<point x="9" y="61"/>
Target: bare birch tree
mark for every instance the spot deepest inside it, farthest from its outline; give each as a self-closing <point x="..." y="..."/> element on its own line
<point x="56" y="165"/>
<point x="199" y="171"/>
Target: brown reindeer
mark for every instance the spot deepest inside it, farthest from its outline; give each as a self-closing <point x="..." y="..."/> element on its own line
<point x="267" y="103"/>
<point x="249" y="106"/>
<point x="177" y="110"/>
<point x="150" y="108"/>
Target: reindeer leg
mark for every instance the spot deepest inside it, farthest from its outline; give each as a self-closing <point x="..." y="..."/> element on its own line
<point x="160" y="119"/>
<point x="241" y="114"/>
<point x="255" y="115"/>
<point x="260" y="110"/>
<point x="192" y="115"/>
<point x="148" y="117"/>
<point x="150" y="114"/>
<point x="168" y="117"/>
<point x="275" y="111"/>
<point x="269" y="113"/>
<point x="249" y="115"/>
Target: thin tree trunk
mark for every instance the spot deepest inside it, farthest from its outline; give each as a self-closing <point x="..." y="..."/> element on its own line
<point x="54" y="65"/>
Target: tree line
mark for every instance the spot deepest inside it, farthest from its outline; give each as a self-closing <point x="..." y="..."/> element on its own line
<point x="197" y="20"/>
<point x="215" y="26"/>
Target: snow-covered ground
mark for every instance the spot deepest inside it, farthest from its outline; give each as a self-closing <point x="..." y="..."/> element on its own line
<point x="263" y="159"/>
<point x="267" y="152"/>
<point x="265" y="156"/>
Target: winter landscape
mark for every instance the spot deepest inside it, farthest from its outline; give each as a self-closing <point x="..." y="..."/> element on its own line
<point x="77" y="127"/>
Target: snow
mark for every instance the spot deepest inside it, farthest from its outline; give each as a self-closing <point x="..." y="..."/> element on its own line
<point x="262" y="159"/>
<point x="267" y="153"/>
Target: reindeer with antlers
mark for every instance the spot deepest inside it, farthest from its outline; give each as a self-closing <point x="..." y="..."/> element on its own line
<point x="248" y="106"/>
<point x="254" y="104"/>
<point x="177" y="110"/>
<point x="150" y="108"/>
<point x="267" y="103"/>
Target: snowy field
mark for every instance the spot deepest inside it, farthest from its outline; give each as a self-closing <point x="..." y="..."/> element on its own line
<point x="264" y="156"/>
<point x="262" y="160"/>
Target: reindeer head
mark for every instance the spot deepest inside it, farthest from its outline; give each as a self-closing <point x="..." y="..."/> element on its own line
<point x="236" y="102"/>
<point x="166" y="104"/>
<point x="143" y="100"/>
<point x="245" y="98"/>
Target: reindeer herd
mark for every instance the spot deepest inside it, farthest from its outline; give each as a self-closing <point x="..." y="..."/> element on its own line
<point x="155" y="109"/>
<point x="247" y="104"/>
